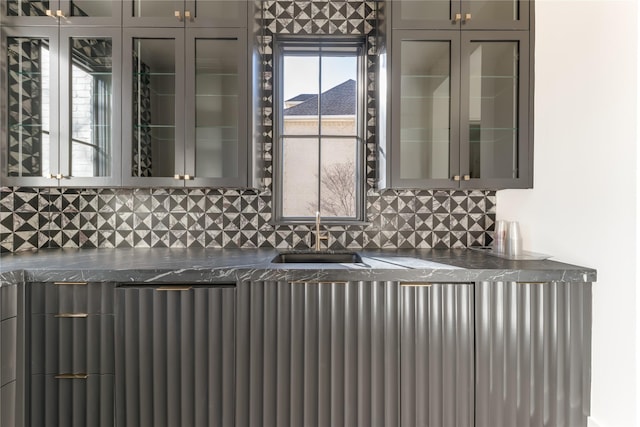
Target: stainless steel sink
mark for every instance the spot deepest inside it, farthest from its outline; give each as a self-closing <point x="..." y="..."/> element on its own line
<point x="318" y="257"/>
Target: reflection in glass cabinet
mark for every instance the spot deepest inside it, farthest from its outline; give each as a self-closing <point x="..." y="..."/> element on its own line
<point x="493" y="109"/>
<point x="425" y="109"/>
<point x="27" y="8"/>
<point x="216" y="100"/>
<point x="91" y="107"/>
<point x="154" y="100"/>
<point x="29" y="117"/>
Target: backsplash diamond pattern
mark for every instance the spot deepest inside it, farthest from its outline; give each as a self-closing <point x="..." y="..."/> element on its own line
<point x="212" y="218"/>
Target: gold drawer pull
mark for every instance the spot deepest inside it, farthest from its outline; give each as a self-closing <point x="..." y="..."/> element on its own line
<point x="71" y="376"/>
<point x="72" y="315"/>
<point x="174" y="288"/>
<point x="416" y="284"/>
<point x="70" y="283"/>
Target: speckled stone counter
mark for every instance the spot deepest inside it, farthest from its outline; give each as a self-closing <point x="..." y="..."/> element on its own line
<point x="226" y="265"/>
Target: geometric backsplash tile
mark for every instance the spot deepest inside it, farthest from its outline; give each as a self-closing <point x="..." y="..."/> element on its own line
<point x="32" y="218"/>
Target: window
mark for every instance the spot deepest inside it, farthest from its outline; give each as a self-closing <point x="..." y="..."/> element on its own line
<point x="319" y="144"/>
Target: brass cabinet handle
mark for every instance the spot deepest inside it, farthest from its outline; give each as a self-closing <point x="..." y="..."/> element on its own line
<point x="316" y="282"/>
<point x="174" y="288"/>
<point x="71" y="376"/>
<point x="188" y="177"/>
<point x="187" y="15"/>
<point x="59" y="14"/>
<point x="50" y="13"/>
<point x="467" y="17"/>
<point x="176" y="176"/>
<point x="72" y="315"/>
<point x="70" y="283"/>
<point x="467" y="178"/>
<point x="457" y="18"/>
<point x="178" y="15"/>
<point x="456" y="177"/>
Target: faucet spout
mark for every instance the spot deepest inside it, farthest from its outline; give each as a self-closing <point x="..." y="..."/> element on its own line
<point x="318" y="234"/>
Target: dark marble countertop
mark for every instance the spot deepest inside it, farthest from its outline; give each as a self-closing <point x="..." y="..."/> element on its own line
<point x="129" y="265"/>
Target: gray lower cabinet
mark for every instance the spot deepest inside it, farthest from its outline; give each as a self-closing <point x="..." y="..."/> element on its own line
<point x="71" y="371"/>
<point x="9" y="358"/>
<point x="354" y="354"/>
<point x="175" y="356"/>
<point x="533" y="354"/>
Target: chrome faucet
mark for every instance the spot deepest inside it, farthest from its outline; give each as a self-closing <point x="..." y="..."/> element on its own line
<point x="319" y="235"/>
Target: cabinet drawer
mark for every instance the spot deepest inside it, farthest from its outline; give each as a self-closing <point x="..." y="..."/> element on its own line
<point x="71" y="297"/>
<point x="72" y="402"/>
<point x="64" y="345"/>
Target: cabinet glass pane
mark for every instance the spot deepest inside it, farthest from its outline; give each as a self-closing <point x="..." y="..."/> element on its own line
<point x="154" y="99"/>
<point x="95" y="8"/>
<point x="27" y="8"/>
<point x="493" y="109"/>
<point x="217" y="86"/>
<point x="425" y="109"/>
<point x="28" y="106"/>
<point x="497" y="10"/>
<point x="225" y="10"/>
<point x="153" y="8"/>
<point x="431" y="10"/>
<point x="91" y="107"/>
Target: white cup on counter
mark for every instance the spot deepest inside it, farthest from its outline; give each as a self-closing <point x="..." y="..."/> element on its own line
<point x="513" y="244"/>
<point x="500" y="237"/>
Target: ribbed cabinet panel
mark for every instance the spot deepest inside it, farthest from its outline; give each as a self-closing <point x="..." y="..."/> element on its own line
<point x="175" y="357"/>
<point x="533" y="355"/>
<point x="317" y="354"/>
<point x="436" y="356"/>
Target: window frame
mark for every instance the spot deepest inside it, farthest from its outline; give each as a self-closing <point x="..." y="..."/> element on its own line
<point x="280" y="44"/>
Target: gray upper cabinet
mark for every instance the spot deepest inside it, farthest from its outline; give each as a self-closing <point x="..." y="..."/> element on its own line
<point x="61" y="12"/>
<point x="461" y="14"/>
<point x="185" y="109"/>
<point x="185" y="13"/>
<point x="458" y="110"/>
<point x="61" y="86"/>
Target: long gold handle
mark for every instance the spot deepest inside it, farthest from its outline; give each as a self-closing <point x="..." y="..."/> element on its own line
<point x="70" y="283"/>
<point x="174" y="288"/>
<point x="315" y="282"/>
<point x="72" y="315"/>
<point x="71" y="376"/>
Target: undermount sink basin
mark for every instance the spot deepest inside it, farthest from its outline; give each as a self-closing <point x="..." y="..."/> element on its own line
<point x="318" y="257"/>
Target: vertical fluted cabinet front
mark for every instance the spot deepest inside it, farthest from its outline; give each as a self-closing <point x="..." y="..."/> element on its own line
<point x="533" y="354"/>
<point x="317" y="354"/>
<point x="70" y="343"/>
<point x="175" y="356"/>
<point x="436" y="355"/>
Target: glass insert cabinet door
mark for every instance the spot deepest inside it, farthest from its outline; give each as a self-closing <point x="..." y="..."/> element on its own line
<point x="190" y="13"/>
<point x="90" y="85"/>
<point x="461" y="14"/>
<point x="425" y="105"/>
<point x="153" y="116"/>
<point x="30" y="137"/>
<point x="494" y="108"/>
<point x="64" y="12"/>
<point x="216" y="109"/>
